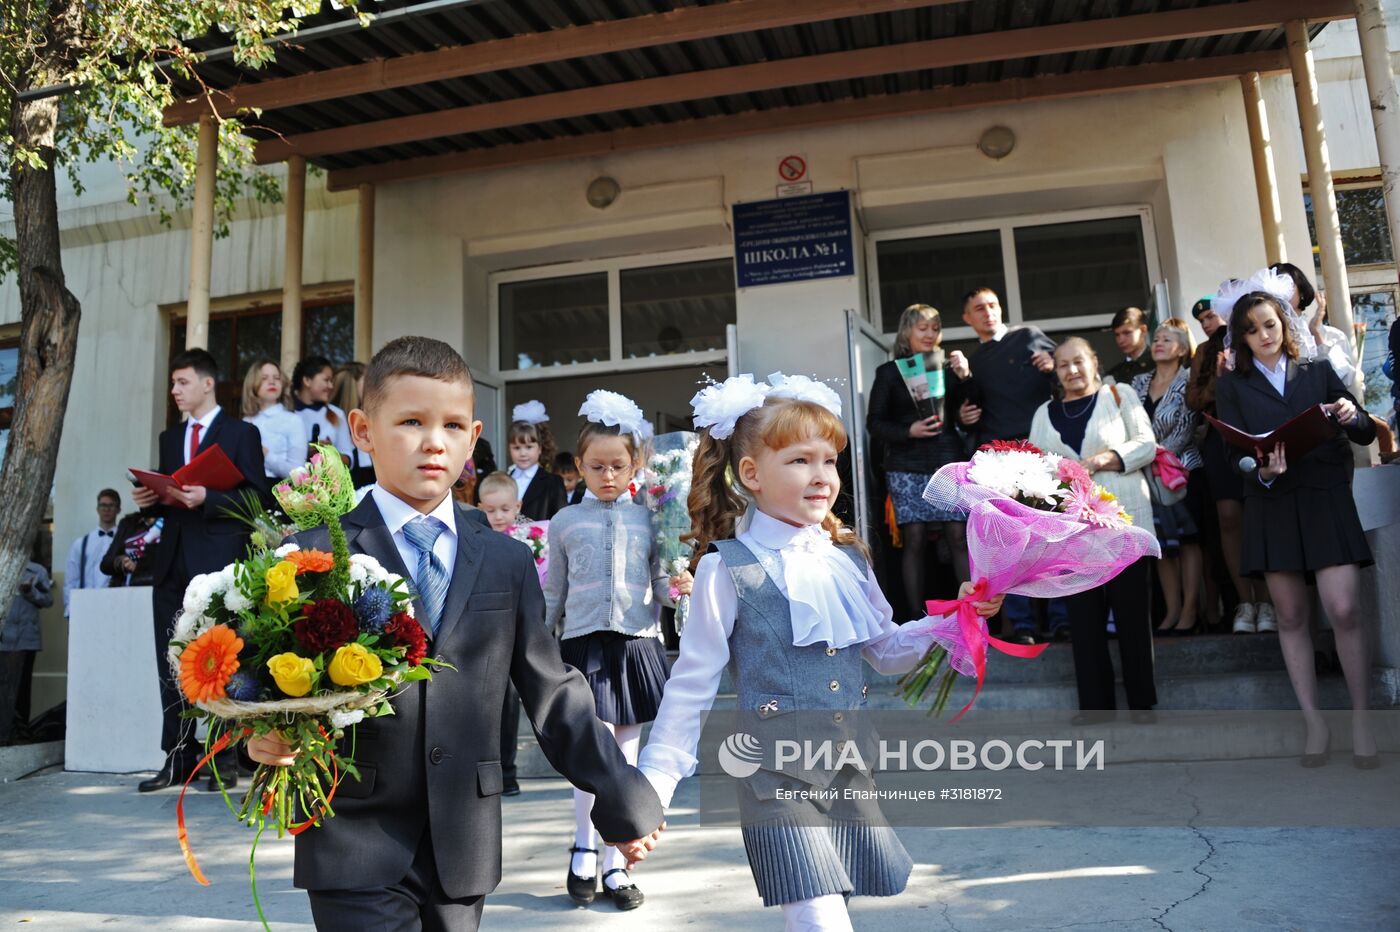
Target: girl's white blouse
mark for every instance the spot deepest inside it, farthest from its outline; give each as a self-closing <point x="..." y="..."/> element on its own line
<point x="284" y="436"/>
<point x="669" y="755"/>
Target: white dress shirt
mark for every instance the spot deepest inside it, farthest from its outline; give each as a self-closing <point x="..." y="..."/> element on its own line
<point x="203" y="423"/>
<point x="285" y="438"/>
<point x="523" y="478"/>
<point x="397" y="513"/>
<point x="1278" y="376"/>
<point x="86" y="573"/>
<point x="669" y="755"/>
<point x="338" y="434"/>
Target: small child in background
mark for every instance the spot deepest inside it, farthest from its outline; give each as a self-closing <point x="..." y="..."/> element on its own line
<point x="532" y="453"/>
<point x="500" y="499"/>
<point x="607" y="584"/>
<point x="567" y="471"/>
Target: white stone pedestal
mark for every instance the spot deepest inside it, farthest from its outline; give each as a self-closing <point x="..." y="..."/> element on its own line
<point x="113" y="695"/>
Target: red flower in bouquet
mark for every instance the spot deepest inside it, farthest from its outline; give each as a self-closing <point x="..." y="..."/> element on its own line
<point x="408" y="633"/>
<point x="1011" y="446"/>
<point x="327" y="624"/>
<point x="536" y="532"/>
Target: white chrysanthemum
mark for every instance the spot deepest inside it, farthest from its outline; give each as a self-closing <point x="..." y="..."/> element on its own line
<point x="613" y="410"/>
<point x="285" y="549"/>
<point x="719" y="405"/>
<point x="530" y="412"/>
<point x="197" y="594"/>
<point x="345" y="718"/>
<point x="802" y="388"/>
<point x="992" y="471"/>
<point x="1039" y="485"/>
<point x="235" y="601"/>
<point x="358" y="573"/>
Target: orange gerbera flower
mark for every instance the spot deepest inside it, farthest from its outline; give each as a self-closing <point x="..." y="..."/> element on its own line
<point x="208" y="662"/>
<point x="311" y="561"/>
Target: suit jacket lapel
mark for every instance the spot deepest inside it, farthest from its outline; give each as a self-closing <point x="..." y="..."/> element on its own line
<point x="211" y="435"/>
<point x="464" y="573"/>
<point x="1292" y="378"/>
<point x="366" y="533"/>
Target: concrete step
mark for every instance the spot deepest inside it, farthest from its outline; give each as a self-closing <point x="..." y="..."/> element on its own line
<point x="1197" y="655"/>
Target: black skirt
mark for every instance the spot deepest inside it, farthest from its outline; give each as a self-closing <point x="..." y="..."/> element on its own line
<point x="1222" y="482"/>
<point x="627" y="674"/>
<point x="1302" y="531"/>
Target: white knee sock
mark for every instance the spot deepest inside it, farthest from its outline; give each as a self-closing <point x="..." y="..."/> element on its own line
<point x="819" y="914"/>
<point x="629" y="740"/>
<point x="584" y="865"/>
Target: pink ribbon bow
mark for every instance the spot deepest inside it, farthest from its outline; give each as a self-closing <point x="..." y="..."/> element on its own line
<point x="975" y="637"/>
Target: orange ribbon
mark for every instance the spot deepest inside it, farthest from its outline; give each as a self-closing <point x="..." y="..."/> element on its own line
<point x="224" y="740"/>
<point x="975" y="636"/>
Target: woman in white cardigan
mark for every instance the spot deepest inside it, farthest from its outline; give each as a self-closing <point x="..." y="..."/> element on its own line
<point x="1106" y="430"/>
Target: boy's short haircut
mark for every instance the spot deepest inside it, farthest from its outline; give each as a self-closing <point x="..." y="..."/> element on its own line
<point x="197" y="359"/>
<point x="564" y="462"/>
<point x="498" y="482"/>
<point x="420" y="356"/>
<point x="1134" y="317"/>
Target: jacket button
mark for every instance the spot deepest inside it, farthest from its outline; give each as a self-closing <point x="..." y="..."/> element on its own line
<point x="436" y="755"/>
<point x="831" y="652"/>
<point x="838" y="718"/>
<point x="834" y="686"/>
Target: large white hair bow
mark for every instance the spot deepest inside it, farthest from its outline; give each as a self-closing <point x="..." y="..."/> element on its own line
<point x="719" y="405"/>
<point x="1278" y="286"/>
<point x="802" y="388"/>
<point x="530" y="412"/>
<point x="613" y="410"/>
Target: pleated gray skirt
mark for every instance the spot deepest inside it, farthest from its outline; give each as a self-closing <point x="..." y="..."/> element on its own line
<point x="804" y="848"/>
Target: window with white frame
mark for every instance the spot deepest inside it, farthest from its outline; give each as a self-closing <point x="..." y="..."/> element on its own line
<point x="1067" y="271"/>
<point x="634" y="313"/>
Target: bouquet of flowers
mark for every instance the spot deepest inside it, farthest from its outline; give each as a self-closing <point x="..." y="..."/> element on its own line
<point x="1037" y="525"/>
<point x="534" y="534"/>
<point x="302" y="642"/>
<point x="669" y="497"/>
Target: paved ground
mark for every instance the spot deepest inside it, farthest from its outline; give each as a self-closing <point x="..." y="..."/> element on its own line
<point x="84" y="851"/>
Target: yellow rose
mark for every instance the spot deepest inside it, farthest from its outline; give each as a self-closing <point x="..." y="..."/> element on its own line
<point x="292" y="673"/>
<point x="281" y="579"/>
<point x="353" y="665"/>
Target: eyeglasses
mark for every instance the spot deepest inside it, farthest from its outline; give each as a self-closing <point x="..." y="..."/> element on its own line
<point x="598" y="469"/>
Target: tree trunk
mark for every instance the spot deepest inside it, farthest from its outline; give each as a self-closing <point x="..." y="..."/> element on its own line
<point x="48" y="346"/>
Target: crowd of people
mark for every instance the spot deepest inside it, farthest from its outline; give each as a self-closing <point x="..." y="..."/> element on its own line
<point x="1243" y="538"/>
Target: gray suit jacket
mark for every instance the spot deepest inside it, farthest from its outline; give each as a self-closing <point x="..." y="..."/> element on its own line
<point x="435" y="764"/>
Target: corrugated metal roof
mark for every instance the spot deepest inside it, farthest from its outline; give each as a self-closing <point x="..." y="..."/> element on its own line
<point x="421" y="27"/>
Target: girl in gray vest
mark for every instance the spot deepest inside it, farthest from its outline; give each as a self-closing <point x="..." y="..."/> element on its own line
<point x="606" y="583"/>
<point x="790" y="604"/>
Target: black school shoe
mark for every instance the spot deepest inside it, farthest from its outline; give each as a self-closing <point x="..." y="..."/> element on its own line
<point x="582" y="890"/>
<point x="626" y="896"/>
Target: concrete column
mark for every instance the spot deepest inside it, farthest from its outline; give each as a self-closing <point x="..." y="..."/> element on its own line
<point x="1385" y="105"/>
<point x="364" y="277"/>
<point x="1265" y="179"/>
<point x="291" y="263"/>
<point x="202" y="235"/>
<point x="1324" y="196"/>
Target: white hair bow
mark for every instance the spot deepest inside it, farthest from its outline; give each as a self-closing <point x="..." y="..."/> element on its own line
<point x="613" y="410"/>
<point x="719" y="405"/>
<point x="802" y="388"/>
<point x="530" y="412"/>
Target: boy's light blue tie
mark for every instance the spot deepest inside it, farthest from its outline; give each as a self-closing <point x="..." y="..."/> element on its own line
<point x="431" y="577"/>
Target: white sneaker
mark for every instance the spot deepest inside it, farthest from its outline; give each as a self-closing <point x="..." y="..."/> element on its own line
<point x="1244" y="619"/>
<point x="1265" y="619"/>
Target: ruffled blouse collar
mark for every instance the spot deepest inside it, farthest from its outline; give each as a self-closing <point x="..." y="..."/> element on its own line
<point x="825" y="590"/>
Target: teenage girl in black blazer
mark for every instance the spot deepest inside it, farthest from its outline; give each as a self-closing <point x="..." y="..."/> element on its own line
<point x="1300" y="518"/>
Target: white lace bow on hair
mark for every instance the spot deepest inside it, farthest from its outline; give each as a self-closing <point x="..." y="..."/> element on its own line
<point x="530" y="412"/>
<point x="718" y="406"/>
<point x="802" y="388"/>
<point x="614" y="410"/>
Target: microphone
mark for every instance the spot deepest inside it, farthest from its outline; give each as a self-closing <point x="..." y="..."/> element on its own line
<point x="1248" y="464"/>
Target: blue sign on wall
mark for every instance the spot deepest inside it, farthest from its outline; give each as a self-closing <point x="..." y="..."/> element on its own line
<point x="793" y="239"/>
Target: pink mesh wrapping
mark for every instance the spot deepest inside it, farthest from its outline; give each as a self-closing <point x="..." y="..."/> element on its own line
<point x="1024" y="551"/>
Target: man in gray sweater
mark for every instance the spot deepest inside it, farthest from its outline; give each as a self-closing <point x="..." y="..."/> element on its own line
<point x="21" y="640"/>
<point x="1000" y="385"/>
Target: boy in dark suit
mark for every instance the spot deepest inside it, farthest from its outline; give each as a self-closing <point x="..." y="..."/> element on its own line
<point x="416" y="842"/>
<point x="197" y="537"/>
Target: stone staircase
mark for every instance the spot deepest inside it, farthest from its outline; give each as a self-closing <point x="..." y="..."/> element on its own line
<point x="1207" y="688"/>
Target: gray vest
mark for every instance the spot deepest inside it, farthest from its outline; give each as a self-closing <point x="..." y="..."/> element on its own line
<point x="773" y="678"/>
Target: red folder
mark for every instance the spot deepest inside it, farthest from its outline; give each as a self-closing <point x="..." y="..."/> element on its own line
<point x="211" y="469"/>
<point x="1300" y="436"/>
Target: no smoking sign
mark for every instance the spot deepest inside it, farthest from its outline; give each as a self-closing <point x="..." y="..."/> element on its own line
<point x="792" y="168"/>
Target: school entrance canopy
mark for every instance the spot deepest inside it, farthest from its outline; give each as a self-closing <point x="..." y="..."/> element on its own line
<point x="451" y="86"/>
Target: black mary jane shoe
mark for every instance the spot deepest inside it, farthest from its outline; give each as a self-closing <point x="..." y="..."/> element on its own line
<point x="626" y="896"/>
<point x="582" y="890"/>
<point x="1366" y="761"/>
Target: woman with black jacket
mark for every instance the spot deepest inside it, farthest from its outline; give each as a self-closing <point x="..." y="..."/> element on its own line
<point x="917" y="443"/>
<point x="1300" y="518"/>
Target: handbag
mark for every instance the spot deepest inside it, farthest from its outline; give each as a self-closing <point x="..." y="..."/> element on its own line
<point x="1166" y="477"/>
